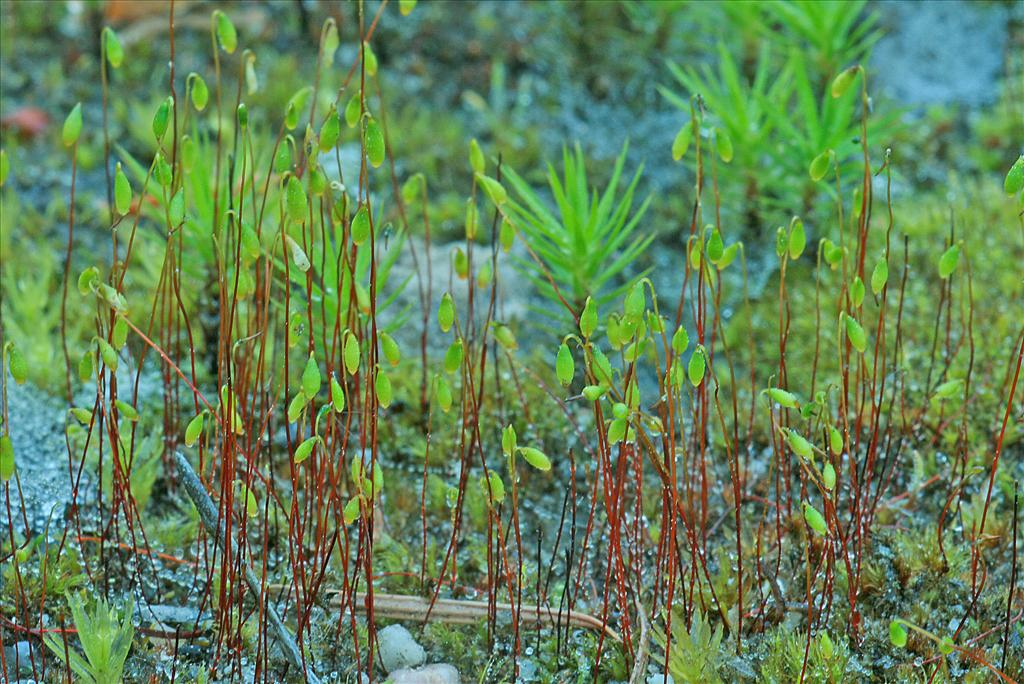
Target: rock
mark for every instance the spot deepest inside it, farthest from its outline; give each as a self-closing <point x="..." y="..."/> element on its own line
<point x="660" y="678"/>
<point x="38" y="422"/>
<point x="41" y="458"/>
<point x="428" y="674"/>
<point x="941" y="52"/>
<point x="18" y="655"/>
<point x="516" y="293"/>
<point x="527" y="668"/>
<point x="397" y="649"/>
<point x="171" y="615"/>
<point x="740" y="670"/>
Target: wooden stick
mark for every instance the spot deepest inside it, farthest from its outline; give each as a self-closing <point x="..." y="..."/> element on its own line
<point x="208" y="514"/>
<point x="459" y="612"/>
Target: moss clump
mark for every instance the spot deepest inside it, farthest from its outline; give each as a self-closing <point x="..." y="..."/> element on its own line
<point x="788" y="656"/>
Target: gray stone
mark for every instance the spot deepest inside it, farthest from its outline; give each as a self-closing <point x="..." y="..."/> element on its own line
<point x="940" y="52"/>
<point x="41" y="458"/>
<point x="19" y="654"/>
<point x="428" y="674"/>
<point x="171" y="615"/>
<point x="397" y="649"/>
<point x="527" y="668"/>
<point x="516" y="293"/>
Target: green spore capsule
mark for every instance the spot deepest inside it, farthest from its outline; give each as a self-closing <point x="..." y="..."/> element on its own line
<point x="800" y="446"/>
<point x="390" y="349"/>
<point x="305" y="449"/>
<point x="330" y="131"/>
<point x="162" y="118"/>
<point x="446" y="313"/>
<point x="122" y="192"/>
<point x="72" y="126"/>
<point x="588" y="319"/>
<point x="815" y="520"/>
<point x="783" y="398"/>
<point x="843" y="81"/>
<point x="375" y="151"/>
<point x="696" y="367"/>
<point x="383" y="386"/>
<point x="198" y="90"/>
<point x="351" y="354"/>
<point x="797" y="238"/>
<point x="879" y="276"/>
<point x="7" y="465"/>
<point x="828" y="477"/>
<point x="897" y="635"/>
<point x="311" y="377"/>
<point x="1014" y="181"/>
<point x="855" y="334"/>
<point x="114" y="49"/>
<point x="194" y="429"/>
<point x="227" y="37"/>
<point x="295" y="200"/>
<point x="337" y="395"/>
<point x="453" y="357"/>
<point x="565" y="367"/>
<point x="681" y="143"/>
<point x="948" y="261"/>
<point x="443" y="394"/>
<point x="535" y="457"/>
<point x="819" y="165"/>
<point x="361" y="226"/>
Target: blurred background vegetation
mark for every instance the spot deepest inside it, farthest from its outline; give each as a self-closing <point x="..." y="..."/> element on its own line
<point x="526" y="78"/>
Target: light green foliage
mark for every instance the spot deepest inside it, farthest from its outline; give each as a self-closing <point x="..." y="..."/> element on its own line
<point x="31" y="296"/>
<point x="811" y="121"/>
<point x="40" y="570"/>
<point x="590" y="242"/>
<point x="695" y="653"/>
<point x="105" y="633"/>
<point x="738" y="105"/>
<point x="833" y="34"/>
<point x="826" y="660"/>
<point x="779" y="115"/>
<point x="139" y="461"/>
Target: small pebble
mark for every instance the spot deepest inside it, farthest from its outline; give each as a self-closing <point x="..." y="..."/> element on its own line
<point x="19" y="653"/>
<point x="398" y="649"/>
<point x="428" y="674"/>
<point x="659" y="678"/>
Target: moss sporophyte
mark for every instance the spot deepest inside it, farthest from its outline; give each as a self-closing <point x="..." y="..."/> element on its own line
<point x="372" y="369"/>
